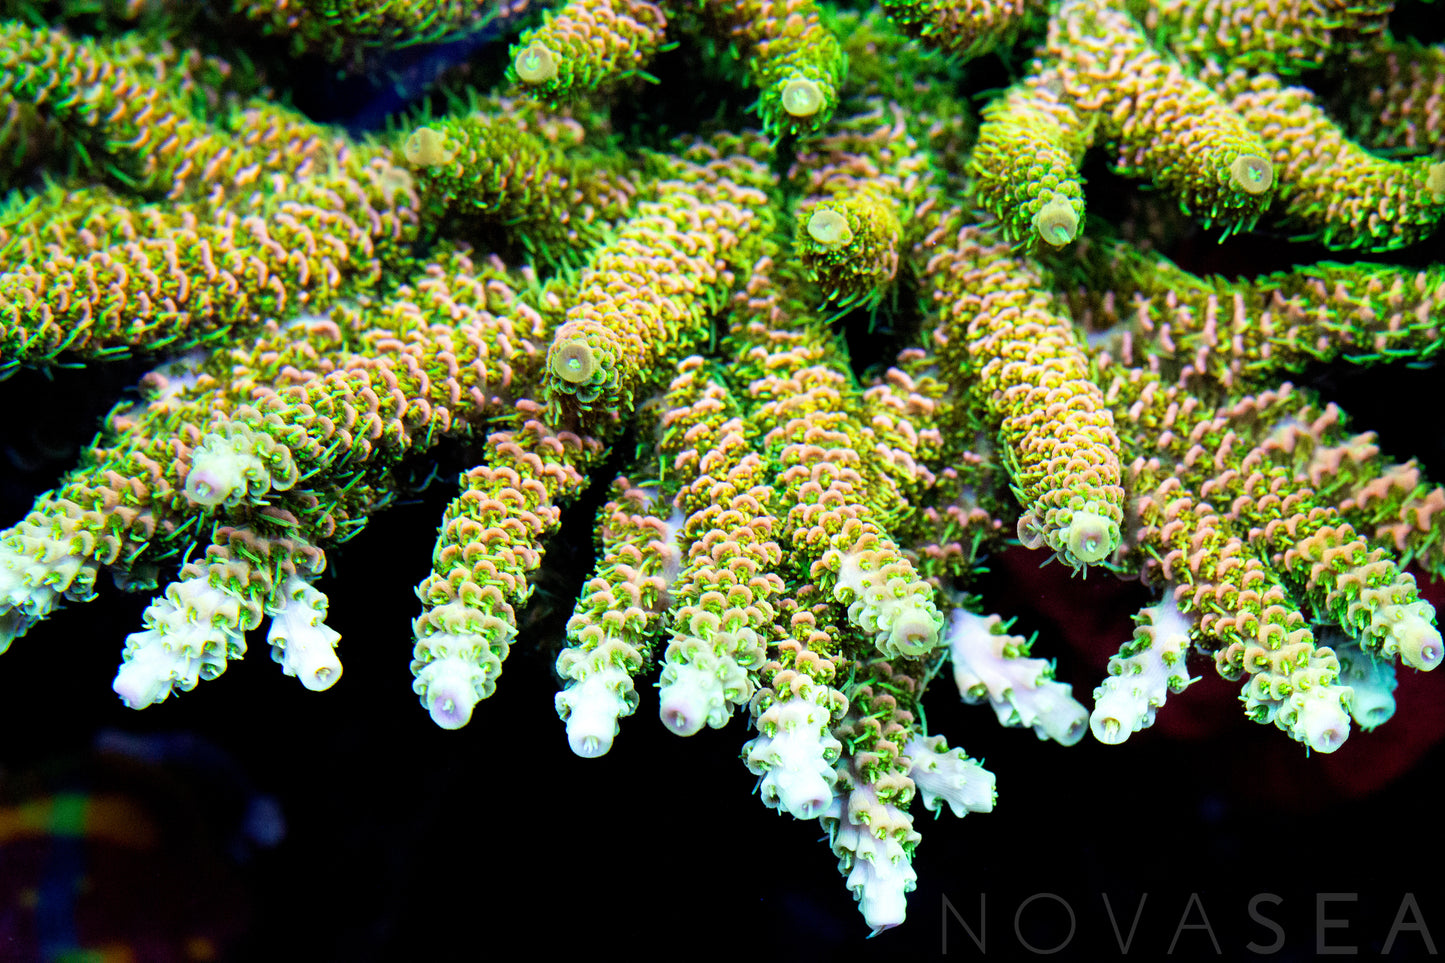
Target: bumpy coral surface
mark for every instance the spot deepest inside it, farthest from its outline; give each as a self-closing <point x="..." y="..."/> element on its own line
<point x="811" y="314"/>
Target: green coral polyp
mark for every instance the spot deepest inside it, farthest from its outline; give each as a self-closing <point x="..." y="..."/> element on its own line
<point x="574" y="362"/>
<point x="829" y="228"/>
<point x="850" y="245"/>
<point x="1251" y="173"/>
<point x="802" y="97"/>
<point x="1091" y="537"/>
<point x="1057" y="223"/>
<point x="426" y="147"/>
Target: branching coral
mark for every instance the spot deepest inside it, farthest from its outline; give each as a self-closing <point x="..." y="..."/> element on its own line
<point x="590" y="275"/>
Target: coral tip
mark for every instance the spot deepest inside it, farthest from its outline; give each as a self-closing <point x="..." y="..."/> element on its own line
<point x="535" y="64"/>
<point x="1056" y="222"/>
<point x="574" y="362"/>
<point x="829" y="228"/>
<point x="802" y="97"/>
<point x="1251" y="174"/>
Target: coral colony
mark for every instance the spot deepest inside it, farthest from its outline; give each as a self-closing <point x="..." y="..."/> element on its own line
<point x="587" y="278"/>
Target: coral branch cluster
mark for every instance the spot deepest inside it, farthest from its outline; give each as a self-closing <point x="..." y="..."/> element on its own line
<point x="830" y="351"/>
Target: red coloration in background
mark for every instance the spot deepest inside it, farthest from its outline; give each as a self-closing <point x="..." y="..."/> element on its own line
<point x="1083" y="622"/>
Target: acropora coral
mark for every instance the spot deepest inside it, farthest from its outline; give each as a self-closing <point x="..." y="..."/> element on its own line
<point x="817" y="307"/>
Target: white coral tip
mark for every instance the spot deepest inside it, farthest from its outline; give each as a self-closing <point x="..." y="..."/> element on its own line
<point x="144" y="678"/>
<point x="30" y="588"/>
<point x="1322" y="722"/>
<point x="804" y="793"/>
<point x="882" y="891"/>
<point x="301" y="640"/>
<point x="949" y="776"/>
<point x="592" y="708"/>
<point x="449" y="690"/>
<point x="13" y="624"/>
<point x="793" y="753"/>
<point x="689" y="699"/>
<point x="915" y="628"/>
<point x="217" y="475"/>
<point x="312" y="659"/>
<point x="1119" y="711"/>
<point x="1419" y="642"/>
<point x="1372" y="706"/>
<point x="1373" y="681"/>
<point x="1061" y="718"/>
